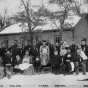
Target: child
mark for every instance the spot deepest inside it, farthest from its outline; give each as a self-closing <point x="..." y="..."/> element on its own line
<point x="36" y="64"/>
<point x="17" y="63"/>
<point x="8" y="64"/>
<point x="55" y="62"/>
<point x="26" y="65"/>
<point x="1" y="68"/>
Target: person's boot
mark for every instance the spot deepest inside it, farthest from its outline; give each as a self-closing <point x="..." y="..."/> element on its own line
<point x="9" y="74"/>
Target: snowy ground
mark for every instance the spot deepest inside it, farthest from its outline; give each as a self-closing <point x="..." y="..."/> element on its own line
<point x="44" y="81"/>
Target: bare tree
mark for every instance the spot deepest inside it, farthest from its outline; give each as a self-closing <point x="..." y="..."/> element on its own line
<point x="66" y="7"/>
<point x="31" y="17"/>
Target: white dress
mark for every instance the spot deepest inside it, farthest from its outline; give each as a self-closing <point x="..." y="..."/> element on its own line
<point x="25" y="63"/>
<point x="44" y="55"/>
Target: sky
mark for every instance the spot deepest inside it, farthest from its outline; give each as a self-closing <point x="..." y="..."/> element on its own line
<point x="12" y="7"/>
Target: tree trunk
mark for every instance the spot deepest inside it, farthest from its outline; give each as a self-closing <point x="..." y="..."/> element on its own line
<point x="61" y="30"/>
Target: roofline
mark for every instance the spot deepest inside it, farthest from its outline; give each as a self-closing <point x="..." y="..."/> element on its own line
<point x="44" y="31"/>
<point x="81" y="19"/>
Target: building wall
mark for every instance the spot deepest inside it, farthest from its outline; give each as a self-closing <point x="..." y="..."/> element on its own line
<point x="67" y="36"/>
<point x="81" y="31"/>
<point x="11" y="39"/>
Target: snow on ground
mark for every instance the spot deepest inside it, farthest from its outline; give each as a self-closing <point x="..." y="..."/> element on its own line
<point x="35" y="81"/>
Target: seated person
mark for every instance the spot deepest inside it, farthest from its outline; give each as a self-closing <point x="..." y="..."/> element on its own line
<point x="56" y="62"/>
<point x="69" y="61"/>
<point x="8" y="64"/>
<point x="1" y="68"/>
<point x="27" y="63"/>
<point x="79" y="62"/>
<point x="18" y="61"/>
<point x="44" y="54"/>
<point x="68" y="64"/>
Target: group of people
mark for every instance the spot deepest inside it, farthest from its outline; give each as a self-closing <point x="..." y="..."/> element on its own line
<point x="63" y="59"/>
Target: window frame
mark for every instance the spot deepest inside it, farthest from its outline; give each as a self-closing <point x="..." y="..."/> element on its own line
<point x="56" y="36"/>
<point x="7" y="43"/>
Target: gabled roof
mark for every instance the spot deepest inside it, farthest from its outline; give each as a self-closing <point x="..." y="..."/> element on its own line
<point x="18" y="28"/>
<point x="82" y="17"/>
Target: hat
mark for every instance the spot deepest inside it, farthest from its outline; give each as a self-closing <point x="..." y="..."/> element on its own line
<point x="28" y="40"/>
<point x="44" y="40"/>
<point x="84" y="39"/>
<point x="67" y="47"/>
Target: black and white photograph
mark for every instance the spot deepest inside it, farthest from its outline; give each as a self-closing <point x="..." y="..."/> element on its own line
<point x="43" y="43"/>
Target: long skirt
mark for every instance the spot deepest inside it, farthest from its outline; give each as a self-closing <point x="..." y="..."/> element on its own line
<point x="44" y="59"/>
<point x="27" y="68"/>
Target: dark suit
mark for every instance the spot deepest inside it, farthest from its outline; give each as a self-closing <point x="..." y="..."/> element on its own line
<point x="51" y="50"/>
<point x="85" y="49"/>
<point x="13" y="49"/>
<point x="73" y="48"/>
<point x="19" y="52"/>
<point x="29" y="48"/>
<point x="66" y="66"/>
<point x="78" y="63"/>
<point x="3" y="51"/>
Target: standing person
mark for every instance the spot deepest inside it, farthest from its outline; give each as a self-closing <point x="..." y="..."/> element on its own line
<point x="73" y="47"/>
<point x="56" y="62"/>
<point x="84" y="47"/>
<point x="44" y="54"/>
<point x="19" y="51"/>
<point x="34" y="52"/>
<point x="51" y="49"/>
<point x="39" y="44"/>
<point x="57" y="47"/>
<point x="3" y="50"/>
<point x="13" y="49"/>
<point x="28" y="47"/>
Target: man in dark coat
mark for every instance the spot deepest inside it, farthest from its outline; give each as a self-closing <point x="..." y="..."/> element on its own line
<point x="3" y="50"/>
<point x="51" y="49"/>
<point x="73" y="47"/>
<point x="57" y="47"/>
<point x="28" y="47"/>
<point x="13" y="49"/>
<point x="39" y="44"/>
<point x="84" y="47"/>
<point x="66" y="63"/>
<point x="19" y="51"/>
<point x="56" y="62"/>
<point x="34" y="52"/>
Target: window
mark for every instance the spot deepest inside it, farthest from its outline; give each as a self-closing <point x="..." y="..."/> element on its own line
<point x="57" y="39"/>
<point x="6" y="42"/>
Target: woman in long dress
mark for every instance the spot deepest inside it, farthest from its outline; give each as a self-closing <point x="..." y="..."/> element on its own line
<point x="44" y="54"/>
<point x="27" y="65"/>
